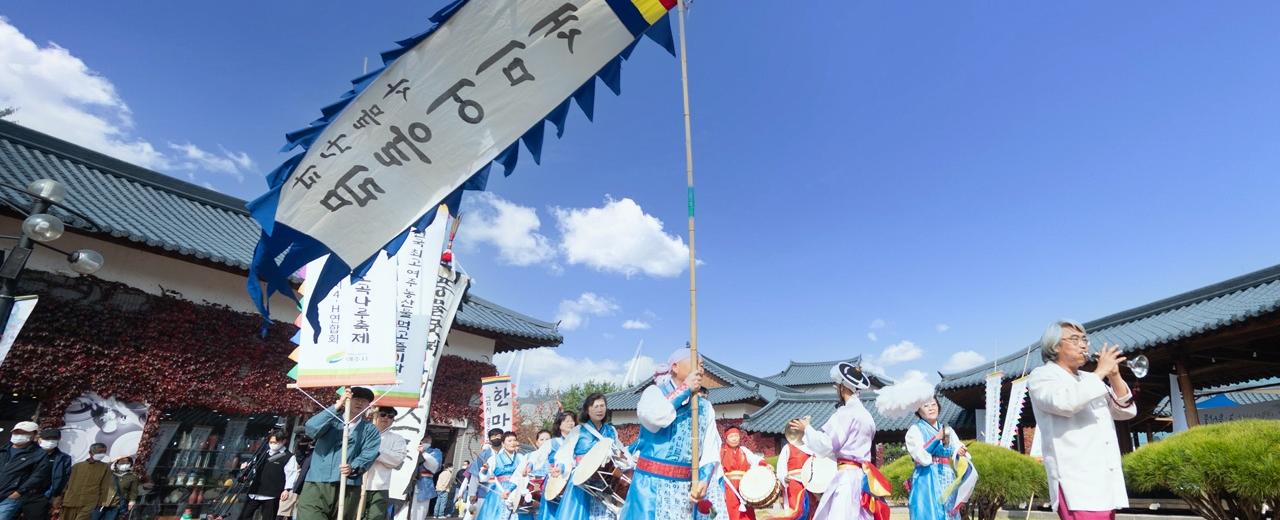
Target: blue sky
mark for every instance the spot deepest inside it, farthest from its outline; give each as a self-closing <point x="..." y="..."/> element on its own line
<point x="950" y="175"/>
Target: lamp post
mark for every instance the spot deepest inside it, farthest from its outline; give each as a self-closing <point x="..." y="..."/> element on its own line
<point x="38" y="229"/>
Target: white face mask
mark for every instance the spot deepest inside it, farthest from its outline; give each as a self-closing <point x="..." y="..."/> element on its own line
<point x="20" y="438"/>
<point x="124" y="467"/>
<point x="100" y="457"/>
<point x="48" y="444"/>
<point x="275" y="446"/>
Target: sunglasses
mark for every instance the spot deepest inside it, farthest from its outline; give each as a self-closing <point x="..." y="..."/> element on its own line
<point x="387" y="414"/>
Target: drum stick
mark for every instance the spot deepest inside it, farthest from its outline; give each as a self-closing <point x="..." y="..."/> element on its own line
<point x="742" y="502"/>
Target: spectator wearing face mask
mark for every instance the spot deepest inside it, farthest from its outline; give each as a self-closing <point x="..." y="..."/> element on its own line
<point x="37" y="507"/>
<point x="24" y="470"/>
<point x="272" y="481"/>
<point x="89" y="485"/>
<point x="123" y="494"/>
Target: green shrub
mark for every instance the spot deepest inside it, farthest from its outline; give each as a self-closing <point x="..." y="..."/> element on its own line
<point x="1004" y="476"/>
<point x="772" y="460"/>
<point x="1224" y="471"/>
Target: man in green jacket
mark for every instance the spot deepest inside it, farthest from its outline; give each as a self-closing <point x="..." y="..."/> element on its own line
<point x="319" y="498"/>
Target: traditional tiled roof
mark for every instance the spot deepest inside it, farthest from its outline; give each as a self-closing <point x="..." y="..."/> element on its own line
<point x="1141" y="328"/>
<point x="513" y="331"/>
<point x="130" y="202"/>
<point x="773" y="418"/>
<point x="818" y="372"/>
<point x="151" y="210"/>
<point x="740" y="387"/>
<point x="1250" y="392"/>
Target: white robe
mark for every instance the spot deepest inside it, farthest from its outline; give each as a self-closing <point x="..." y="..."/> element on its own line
<point x="1075" y="418"/>
<point x="848" y="434"/>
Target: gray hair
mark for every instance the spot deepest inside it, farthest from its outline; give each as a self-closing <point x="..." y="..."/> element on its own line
<point x="1053" y="337"/>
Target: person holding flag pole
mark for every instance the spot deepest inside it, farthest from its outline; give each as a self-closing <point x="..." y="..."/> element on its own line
<point x="662" y="486"/>
<point x="345" y="446"/>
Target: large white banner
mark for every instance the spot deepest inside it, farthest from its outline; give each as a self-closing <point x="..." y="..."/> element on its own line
<point x="499" y="402"/>
<point x="411" y="423"/>
<point x="441" y="112"/>
<point x="22" y="307"/>
<point x="416" y="268"/>
<point x="991" y="428"/>
<point x="1017" y="397"/>
<point x="357" y="330"/>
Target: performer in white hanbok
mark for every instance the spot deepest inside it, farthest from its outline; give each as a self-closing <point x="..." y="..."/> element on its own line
<point x="847" y="437"/>
<point x="661" y="487"/>
<point x="1075" y="417"/>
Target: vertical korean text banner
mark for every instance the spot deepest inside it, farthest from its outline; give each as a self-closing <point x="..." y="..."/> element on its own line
<point x="499" y="395"/>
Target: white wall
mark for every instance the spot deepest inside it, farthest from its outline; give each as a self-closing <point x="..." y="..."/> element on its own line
<point x="148" y="271"/>
<point x="735" y="410"/>
<point x="470" y="346"/>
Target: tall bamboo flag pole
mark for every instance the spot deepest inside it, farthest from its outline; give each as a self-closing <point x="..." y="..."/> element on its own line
<point x="346" y="433"/>
<point x="694" y="363"/>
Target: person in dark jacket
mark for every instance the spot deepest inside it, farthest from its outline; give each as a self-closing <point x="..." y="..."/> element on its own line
<point x="276" y="471"/>
<point x="24" y="469"/>
<point x="37" y="507"/>
<point x="302" y="455"/>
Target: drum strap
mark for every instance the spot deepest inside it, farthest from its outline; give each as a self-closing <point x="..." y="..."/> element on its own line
<point x="664" y="469"/>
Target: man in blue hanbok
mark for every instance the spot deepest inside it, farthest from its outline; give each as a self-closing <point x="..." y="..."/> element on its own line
<point x="661" y="486"/>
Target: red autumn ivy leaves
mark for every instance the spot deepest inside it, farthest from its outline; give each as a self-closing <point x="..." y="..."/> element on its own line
<point x="170" y="352"/>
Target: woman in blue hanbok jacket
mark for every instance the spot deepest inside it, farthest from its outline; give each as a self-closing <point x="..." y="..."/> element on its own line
<point x="593" y="427"/>
<point x="504" y="470"/>
<point x="931" y="445"/>
<point x="563" y="426"/>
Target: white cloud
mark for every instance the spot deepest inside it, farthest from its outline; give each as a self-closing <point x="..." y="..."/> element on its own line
<point x="913" y="375"/>
<point x="962" y="360"/>
<point x="942" y="327"/>
<point x="636" y="325"/>
<point x="620" y="237"/>
<point x="900" y="352"/>
<point x="577" y="313"/>
<point x="508" y="226"/>
<point x="877" y="323"/>
<point x="56" y="93"/>
<point x="547" y="368"/>
<point x="194" y="158"/>
<point x="872" y="336"/>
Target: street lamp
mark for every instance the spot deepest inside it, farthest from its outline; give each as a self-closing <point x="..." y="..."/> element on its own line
<point x="39" y="228"/>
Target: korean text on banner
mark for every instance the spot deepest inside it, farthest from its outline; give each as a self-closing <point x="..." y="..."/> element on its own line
<point x="415" y="275"/>
<point x="22" y="307"/>
<point x="1017" y="399"/>
<point x="411" y="423"/>
<point x="499" y="403"/>
<point x="991" y="428"/>
<point x="442" y="111"/>
<point x="357" y="331"/>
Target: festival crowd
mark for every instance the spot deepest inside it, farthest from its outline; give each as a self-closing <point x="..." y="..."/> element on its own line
<point x="579" y="470"/>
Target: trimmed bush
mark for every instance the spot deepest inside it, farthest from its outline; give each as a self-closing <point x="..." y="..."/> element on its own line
<point x="1224" y="471"/>
<point x="1004" y="477"/>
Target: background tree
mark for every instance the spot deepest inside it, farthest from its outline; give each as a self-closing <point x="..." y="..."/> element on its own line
<point x="5" y="112"/>
<point x="1224" y="471"/>
<point x="571" y="397"/>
